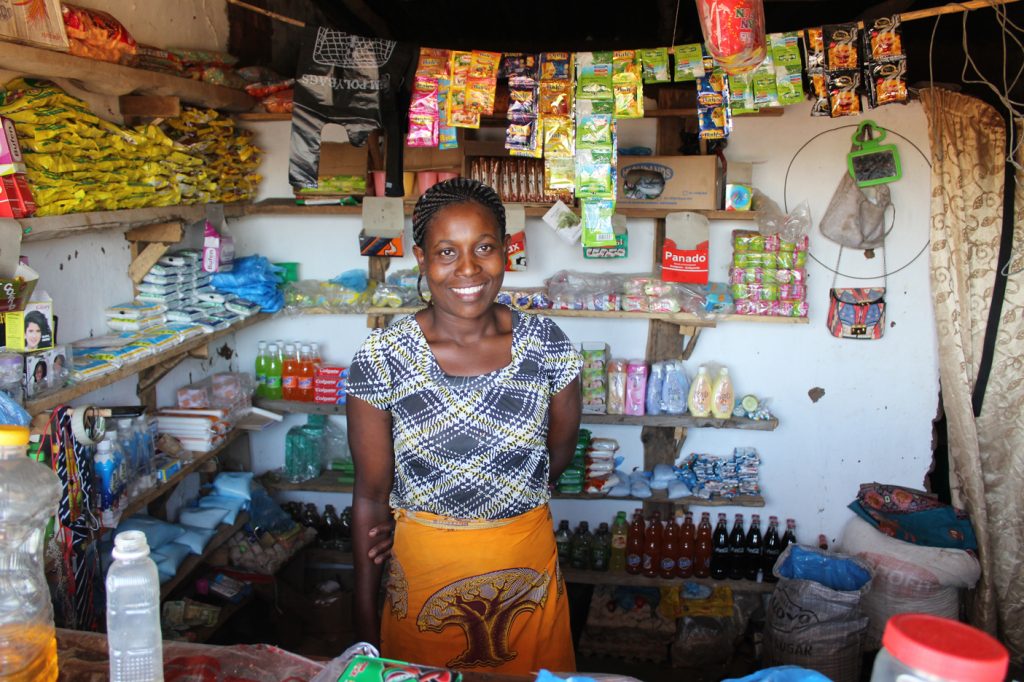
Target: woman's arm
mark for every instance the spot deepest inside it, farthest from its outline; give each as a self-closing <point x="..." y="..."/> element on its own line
<point x="370" y="439"/>
<point x="563" y="427"/>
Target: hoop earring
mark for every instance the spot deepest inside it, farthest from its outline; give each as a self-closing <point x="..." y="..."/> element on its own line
<point x="419" y="289"/>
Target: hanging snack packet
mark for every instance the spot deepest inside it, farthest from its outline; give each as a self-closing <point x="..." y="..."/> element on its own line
<point x="597" y="223"/>
<point x="883" y="39"/>
<point x="714" y="122"/>
<point x="556" y="66"/>
<point x="423" y="131"/>
<point x="594" y="76"/>
<point x="447" y="137"/>
<point x="594" y="178"/>
<point x="842" y="46"/>
<point x="656" y="65"/>
<point x="785" y="51"/>
<point x="433" y="63"/>
<point x="484" y="65"/>
<point x="521" y="136"/>
<point x="741" y="94"/>
<point x="689" y="62"/>
<point x="819" y="95"/>
<point x="814" y="48"/>
<point x="555" y="98"/>
<point x="515" y="65"/>
<point x="522" y="99"/>
<point x="558" y="137"/>
<point x="627" y="85"/>
<point x="763" y="83"/>
<point x="559" y="174"/>
<point x="712" y="89"/>
<point x="843" y="98"/>
<point x="625" y="63"/>
<point x="480" y="96"/>
<point x="887" y="82"/>
<point x="459" y="63"/>
<point x="595" y="131"/>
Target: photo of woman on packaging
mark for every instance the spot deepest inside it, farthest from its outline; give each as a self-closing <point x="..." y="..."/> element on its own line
<point x="39" y="378"/>
<point x="37" y="331"/>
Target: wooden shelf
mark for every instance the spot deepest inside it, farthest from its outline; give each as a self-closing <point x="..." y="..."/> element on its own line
<point x="767" y="112"/>
<point x="113" y="79"/>
<point x="296" y="407"/>
<point x="661" y="496"/>
<point x="575" y="575"/>
<point x="287" y="206"/>
<point x="78" y="390"/>
<point x="670" y="420"/>
<point x="321" y="555"/>
<point x="327" y="482"/>
<point x="140" y="502"/>
<point x="54" y="227"/>
<point x="682" y="319"/>
<point x="189" y="565"/>
<point x="263" y="116"/>
<point x="684" y="421"/>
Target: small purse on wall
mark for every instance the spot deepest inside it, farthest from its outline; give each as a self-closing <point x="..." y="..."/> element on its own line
<point x="857" y="312"/>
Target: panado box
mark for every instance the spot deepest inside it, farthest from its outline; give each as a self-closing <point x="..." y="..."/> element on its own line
<point x="670" y="182"/>
<point x="684" y="253"/>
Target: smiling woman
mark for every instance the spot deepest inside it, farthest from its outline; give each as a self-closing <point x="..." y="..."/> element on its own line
<point x="459" y="419"/>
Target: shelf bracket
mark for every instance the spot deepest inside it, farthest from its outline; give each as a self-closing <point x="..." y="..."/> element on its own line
<point x="378" y="270"/>
<point x="149" y="378"/>
<point x="691" y="334"/>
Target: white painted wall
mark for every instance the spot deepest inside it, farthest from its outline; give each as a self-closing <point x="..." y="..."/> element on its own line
<point x="874" y="421"/>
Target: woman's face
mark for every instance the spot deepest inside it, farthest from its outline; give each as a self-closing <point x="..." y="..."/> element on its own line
<point x="33" y="335"/>
<point x="463" y="259"/>
<point x="40" y="372"/>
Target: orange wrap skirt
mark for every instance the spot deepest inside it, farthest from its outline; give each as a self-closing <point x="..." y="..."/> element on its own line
<point x="477" y="595"/>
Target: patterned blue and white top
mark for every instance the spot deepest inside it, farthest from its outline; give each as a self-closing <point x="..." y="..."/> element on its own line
<point x="467" y="447"/>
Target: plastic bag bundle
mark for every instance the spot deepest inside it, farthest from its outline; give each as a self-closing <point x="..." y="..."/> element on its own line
<point x="255" y="279"/>
<point x="316" y="296"/>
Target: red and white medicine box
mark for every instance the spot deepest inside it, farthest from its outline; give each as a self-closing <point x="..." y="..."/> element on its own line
<point x="684" y="253"/>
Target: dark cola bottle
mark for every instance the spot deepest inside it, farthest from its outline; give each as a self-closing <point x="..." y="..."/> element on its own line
<point x="755" y="547"/>
<point x="772" y="549"/>
<point x="737" y="549"/>
<point x="721" y="558"/>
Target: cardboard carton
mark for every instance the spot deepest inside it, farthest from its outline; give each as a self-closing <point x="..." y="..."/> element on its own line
<point x="38" y="22"/>
<point x="670" y="182"/>
<point x="16" y="291"/>
<point x="31" y="328"/>
<point x="383" y="224"/>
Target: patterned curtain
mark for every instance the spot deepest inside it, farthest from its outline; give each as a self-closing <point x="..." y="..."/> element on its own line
<point x="968" y="139"/>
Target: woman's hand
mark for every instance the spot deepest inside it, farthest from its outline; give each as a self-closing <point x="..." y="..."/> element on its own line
<point x="383" y="535"/>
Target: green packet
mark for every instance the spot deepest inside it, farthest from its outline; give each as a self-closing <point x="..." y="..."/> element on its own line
<point x="369" y="669"/>
<point x="338" y="184"/>
<point x="656" y="65"/>
<point x="689" y="62"/>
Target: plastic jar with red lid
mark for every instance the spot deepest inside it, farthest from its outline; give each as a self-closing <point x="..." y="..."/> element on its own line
<point x="925" y="648"/>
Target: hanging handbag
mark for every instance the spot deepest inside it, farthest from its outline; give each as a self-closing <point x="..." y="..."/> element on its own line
<point x="857" y="312"/>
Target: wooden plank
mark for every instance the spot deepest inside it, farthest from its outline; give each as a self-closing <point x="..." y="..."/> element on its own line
<point x="189" y="565"/>
<point x="168" y="233"/>
<point x="575" y="575"/>
<point x="772" y="112"/>
<point x="142" y="263"/>
<point x="684" y="421"/>
<point x="75" y="391"/>
<point x="142" y="501"/>
<point x="113" y="79"/>
<point x="263" y="116"/>
<point x="149" y="106"/>
<point x="763" y="319"/>
<point x="55" y="227"/>
<point x="660" y="496"/>
<point x="295" y="407"/>
<point x="327" y="482"/>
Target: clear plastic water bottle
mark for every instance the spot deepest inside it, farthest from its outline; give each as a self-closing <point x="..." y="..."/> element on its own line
<point x="134" y="638"/>
<point x="121" y="465"/>
<point x="126" y="439"/>
<point x="29" y="492"/>
<point x="145" y="449"/>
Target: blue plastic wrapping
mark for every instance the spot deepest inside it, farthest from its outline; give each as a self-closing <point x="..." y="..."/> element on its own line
<point x="785" y="673"/>
<point x="833" y="571"/>
<point x="356" y="280"/>
<point x="255" y="279"/>
<point x="11" y="412"/>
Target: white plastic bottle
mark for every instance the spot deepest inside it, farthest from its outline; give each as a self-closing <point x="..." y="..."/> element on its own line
<point x="723" y="398"/>
<point x="699" y="400"/>
<point x="126" y="439"/>
<point x="134" y="639"/>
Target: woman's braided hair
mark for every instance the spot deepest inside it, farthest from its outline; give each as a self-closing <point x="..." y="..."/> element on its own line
<point x="455" y="191"/>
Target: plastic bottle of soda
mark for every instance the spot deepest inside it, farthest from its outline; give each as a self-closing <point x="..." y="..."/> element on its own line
<point x="669" y="549"/>
<point x="789" y="537"/>
<point x="314" y="355"/>
<point x="635" y="544"/>
<point x="737" y="549"/>
<point x="600" y="549"/>
<point x="652" y="546"/>
<point x="772" y="549"/>
<point x="620" y="531"/>
<point x="687" y="545"/>
<point x="304" y="390"/>
<point x="273" y="390"/>
<point x="290" y="373"/>
<point x="721" y="558"/>
<point x="563" y="538"/>
<point x="579" y="548"/>
<point x="755" y="547"/>
<point x="261" y="369"/>
<point x="703" y="548"/>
